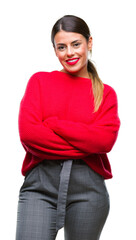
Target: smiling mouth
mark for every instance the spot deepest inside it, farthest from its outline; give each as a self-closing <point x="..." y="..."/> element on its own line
<point x="72" y="61"/>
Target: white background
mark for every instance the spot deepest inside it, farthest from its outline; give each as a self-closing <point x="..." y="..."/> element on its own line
<point x="25" y="48"/>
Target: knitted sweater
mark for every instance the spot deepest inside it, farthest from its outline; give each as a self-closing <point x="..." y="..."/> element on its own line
<point x="57" y="121"/>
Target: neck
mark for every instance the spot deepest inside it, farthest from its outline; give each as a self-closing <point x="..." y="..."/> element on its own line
<point x="83" y="75"/>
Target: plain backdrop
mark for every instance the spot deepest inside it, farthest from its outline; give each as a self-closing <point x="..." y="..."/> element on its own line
<point x="25" y="48"/>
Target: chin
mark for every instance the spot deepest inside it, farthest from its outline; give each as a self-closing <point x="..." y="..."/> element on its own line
<point x="70" y="70"/>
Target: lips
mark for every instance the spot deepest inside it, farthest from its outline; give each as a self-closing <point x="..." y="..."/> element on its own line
<point x="72" y="61"/>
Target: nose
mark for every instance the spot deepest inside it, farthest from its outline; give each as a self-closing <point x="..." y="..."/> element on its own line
<point x="70" y="51"/>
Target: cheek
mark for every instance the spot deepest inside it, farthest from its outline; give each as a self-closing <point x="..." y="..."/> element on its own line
<point x="60" y="55"/>
<point x="83" y="52"/>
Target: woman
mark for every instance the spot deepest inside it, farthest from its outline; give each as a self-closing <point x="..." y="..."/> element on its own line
<point x="68" y="121"/>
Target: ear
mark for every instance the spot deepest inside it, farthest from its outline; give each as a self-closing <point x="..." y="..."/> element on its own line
<point x="55" y="51"/>
<point x="90" y="43"/>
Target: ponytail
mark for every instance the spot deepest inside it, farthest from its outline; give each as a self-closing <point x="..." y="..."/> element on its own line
<point x="96" y="84"/>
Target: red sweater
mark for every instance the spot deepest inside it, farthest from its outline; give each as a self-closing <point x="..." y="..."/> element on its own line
<point x="56" y="121"/>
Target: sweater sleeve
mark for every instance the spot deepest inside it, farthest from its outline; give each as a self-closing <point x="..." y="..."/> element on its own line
<point x="35" y="134"/>
<point x="98" y="136"/>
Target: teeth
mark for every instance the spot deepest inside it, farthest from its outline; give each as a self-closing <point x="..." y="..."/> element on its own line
<point x="72" y="60"/>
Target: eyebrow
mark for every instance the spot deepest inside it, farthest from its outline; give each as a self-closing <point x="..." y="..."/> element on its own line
<point x="78" y="40"/>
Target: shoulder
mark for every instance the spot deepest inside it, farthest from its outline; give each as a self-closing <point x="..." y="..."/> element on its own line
<point x="42" y="77"/>
<point x="42" y="74"/>
<point x="109" y="91"/>
<point x="109" y="96"/>
<point x="108" y="88"/>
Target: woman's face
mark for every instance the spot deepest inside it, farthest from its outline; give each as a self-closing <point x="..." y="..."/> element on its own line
<point x="72" y="51"/>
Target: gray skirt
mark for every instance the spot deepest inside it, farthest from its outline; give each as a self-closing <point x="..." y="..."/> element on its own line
<point x="58" y="194"/>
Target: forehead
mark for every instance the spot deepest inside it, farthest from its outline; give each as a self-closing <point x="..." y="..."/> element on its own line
<point x="67" y="37"/>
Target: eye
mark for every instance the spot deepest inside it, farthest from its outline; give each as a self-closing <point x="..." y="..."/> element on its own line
<point x="76" y="44"/>
<point x="61" y="48"/>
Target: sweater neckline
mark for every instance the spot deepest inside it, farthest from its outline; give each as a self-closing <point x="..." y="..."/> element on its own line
<point x="73" y="76"/>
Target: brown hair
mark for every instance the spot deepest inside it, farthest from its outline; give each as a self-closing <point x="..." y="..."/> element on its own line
<point x="70" y="23"/>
